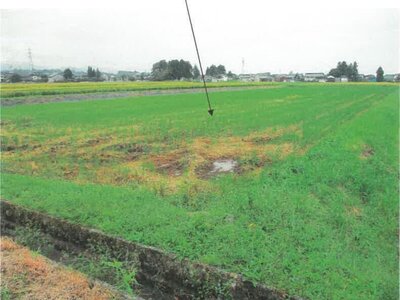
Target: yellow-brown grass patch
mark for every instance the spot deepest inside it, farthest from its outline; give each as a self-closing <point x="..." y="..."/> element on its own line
<point x="29" y="276"/>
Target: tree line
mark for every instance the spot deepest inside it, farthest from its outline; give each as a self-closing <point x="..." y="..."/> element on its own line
<point x="180" y="69"/>
<point x="348" y="70"/>
<point x="351" y="71"/>
<point x="92" y="74"/>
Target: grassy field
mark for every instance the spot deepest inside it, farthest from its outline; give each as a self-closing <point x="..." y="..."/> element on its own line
<point x="29" y="89"/>
<point x="312" y="208"/>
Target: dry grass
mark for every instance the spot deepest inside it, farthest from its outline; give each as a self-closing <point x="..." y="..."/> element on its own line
<point x="29" y="276"/>
<point x="121" y="160"/>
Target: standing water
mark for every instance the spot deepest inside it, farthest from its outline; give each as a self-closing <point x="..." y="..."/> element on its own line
<point x="223" y="166"/>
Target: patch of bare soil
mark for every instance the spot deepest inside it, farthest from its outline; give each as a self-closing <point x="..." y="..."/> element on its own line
<point x="55" y="148"/>
<point x="367" y="152"/>
<point x="11" y="148"/>
<point x="132" y="150"/>
<point x="25" y="275"/>
<point x="259" y="140"/>
<point x="172" y="164"/>
<point x="95" y="141"/>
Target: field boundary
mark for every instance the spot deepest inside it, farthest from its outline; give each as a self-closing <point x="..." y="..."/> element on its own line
<point x="107" y="95"/>
<point x="155" y="267"/>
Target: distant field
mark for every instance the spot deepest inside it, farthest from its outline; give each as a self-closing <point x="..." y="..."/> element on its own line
<point x="311" y="206"/>
<point x="28" y="89"/>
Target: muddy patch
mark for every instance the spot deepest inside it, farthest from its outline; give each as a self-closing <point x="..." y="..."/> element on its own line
<point x="172" y="164"/>
<point x="131" y="151"/>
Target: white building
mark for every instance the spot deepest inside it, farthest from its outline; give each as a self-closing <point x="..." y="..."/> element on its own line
<point x="314" y="77"/>
<point x="56" y="78"/>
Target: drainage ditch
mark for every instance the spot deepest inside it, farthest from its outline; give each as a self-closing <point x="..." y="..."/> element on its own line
<point x="159" y="275"/>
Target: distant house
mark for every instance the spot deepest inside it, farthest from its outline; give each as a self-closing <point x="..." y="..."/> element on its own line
<point x="397" y="78"/>
<point x="128" y="75"/>
<point x="247" y="77"/>
<point x="222" y="78"/>
<point x="26" y="78"/>
<point x="112" y="78"/>
<point x="289" y="78"/>
<point x="56" y="78"/>
<point x="389" y="77"/>
<point x="6" y="77"/>
<point x="104" y="77"/>
<point x="279" y="77"/>
<point x="208" y="78"/>
<point x="263" y="77"/>
<point x="370" y="78"/>
<point x="314" y="77"/>
<point x="361" y="77"/>
<point x="36" y="78"/>
<point x="344" y="79"/>
<point x="330" y="78"/>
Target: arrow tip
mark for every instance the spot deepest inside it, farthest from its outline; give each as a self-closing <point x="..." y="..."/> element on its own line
<point x="211" y="112"/>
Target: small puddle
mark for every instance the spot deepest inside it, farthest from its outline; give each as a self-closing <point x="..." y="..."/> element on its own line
<point x="219" y="166"/>
<point x="223" y="166"/>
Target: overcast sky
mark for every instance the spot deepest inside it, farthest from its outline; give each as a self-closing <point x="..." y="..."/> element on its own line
<point x="270" y="39"/>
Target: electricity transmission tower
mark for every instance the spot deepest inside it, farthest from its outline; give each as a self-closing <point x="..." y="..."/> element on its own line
<point x="30" y="59"/>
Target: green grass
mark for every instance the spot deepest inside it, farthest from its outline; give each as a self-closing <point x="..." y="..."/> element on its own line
<point x="320" y="222"/>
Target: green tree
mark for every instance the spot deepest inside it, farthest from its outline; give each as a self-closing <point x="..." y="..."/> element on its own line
<point x="196" y="72"/>
<point x="160" y="70"/>
<point x="185" y="69"/>
<point x="215" y="71"/>
<point x="91" y="73"/>
<point x="343" y="69"/>
<point x="15" y="78"/>
<point x="379" y="74"/>
<point x="98" y="74"/>
<point x="354" y="72"/>
<point x="212" y="70"/>
<point x="174" y="69"/>
<point x="221" y="70"/>
<point x="67" y="74"/>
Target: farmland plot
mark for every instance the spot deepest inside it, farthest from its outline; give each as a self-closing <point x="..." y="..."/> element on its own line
<point x="308" y="204"/>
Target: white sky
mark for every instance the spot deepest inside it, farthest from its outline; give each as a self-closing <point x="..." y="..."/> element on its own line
<point x="275" y="39"/>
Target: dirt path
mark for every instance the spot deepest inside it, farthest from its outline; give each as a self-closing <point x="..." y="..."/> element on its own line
<point x="110" y="95"/>
<point x="27" y="275"/>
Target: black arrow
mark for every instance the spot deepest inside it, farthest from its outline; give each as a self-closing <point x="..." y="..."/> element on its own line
<point x="210" y="110"/>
